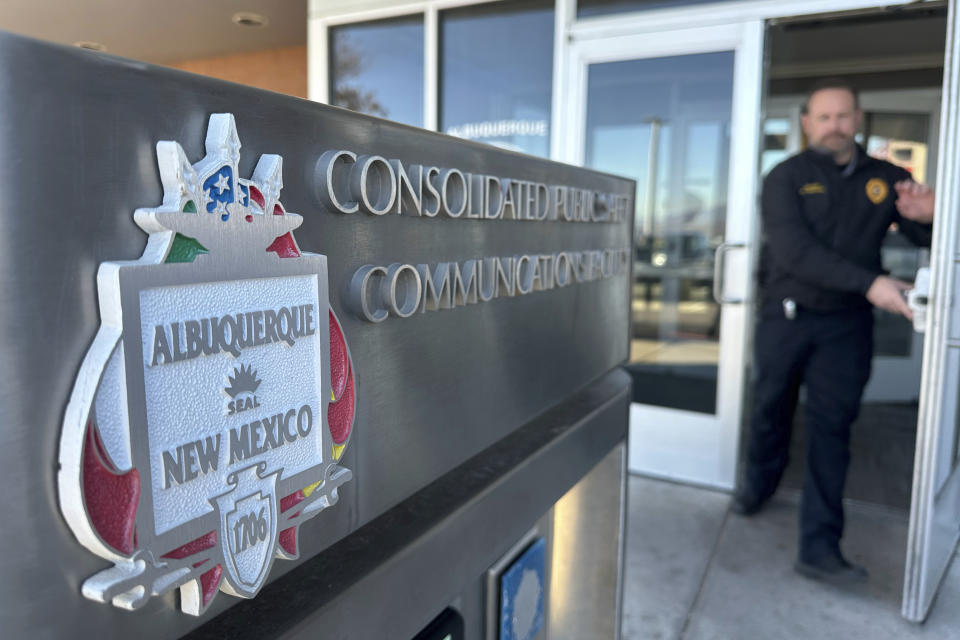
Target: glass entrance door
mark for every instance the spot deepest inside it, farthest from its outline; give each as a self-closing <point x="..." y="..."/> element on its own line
<point x="678" y="112"/>
<point x="666" y="121"/>
<point x="935" y="505"/>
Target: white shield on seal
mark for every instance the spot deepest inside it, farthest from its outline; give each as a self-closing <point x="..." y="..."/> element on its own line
<point x="202" y="406"/>
<point x="248" y="529"/>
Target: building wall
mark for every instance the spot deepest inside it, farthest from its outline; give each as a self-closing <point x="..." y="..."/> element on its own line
<point x="327" y="8"/>
<point x="281" y="70"/>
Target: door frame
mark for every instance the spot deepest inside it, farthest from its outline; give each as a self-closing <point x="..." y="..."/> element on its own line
<point x="935" y="502"/>
<point x="683" y="445"/>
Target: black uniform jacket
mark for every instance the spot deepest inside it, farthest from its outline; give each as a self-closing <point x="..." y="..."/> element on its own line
<point x="823" y="228"/>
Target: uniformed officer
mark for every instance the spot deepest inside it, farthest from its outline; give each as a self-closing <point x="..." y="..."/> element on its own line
<point x="825" y="213"/>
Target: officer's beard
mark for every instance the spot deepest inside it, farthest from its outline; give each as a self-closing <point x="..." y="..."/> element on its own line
<point x="838" y="145"/>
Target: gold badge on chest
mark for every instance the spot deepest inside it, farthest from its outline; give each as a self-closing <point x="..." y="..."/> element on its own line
<point x="877" y="190"/>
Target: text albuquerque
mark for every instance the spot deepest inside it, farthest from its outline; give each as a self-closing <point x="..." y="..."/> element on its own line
<point x="230" y="333"/>
<point x="348" y="183"/>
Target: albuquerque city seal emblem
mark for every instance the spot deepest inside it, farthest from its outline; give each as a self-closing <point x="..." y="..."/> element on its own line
<point x="210" y="413"/>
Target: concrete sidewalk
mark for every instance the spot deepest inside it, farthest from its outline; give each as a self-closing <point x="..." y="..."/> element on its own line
<point x="694" y="571"/>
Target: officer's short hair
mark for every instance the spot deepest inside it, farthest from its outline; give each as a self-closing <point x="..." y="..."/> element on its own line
<point x="831" y="83"/>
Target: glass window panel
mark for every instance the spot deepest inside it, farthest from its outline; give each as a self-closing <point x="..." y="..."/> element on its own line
<point x="666" y="123"/>
<point x="496" y="74"/>
<point x="588" y="8"/>
<point x="377" y="68"/>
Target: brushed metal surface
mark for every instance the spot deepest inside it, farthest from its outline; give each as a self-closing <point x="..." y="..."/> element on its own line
<point x="588" y="525"/>
<point x="391" y="577"/>
<point x="78" y="133"/>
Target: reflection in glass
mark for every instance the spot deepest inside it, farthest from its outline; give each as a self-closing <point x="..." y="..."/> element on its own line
<point x="588" y="8"/>
<point x="666" y="123"/>
<point x="496" y="74"/>
<point x="900" y="138"/>
<point x="377" y="68"/>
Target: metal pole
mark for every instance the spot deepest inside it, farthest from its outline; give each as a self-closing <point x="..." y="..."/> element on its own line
<point x="653" y="161"/>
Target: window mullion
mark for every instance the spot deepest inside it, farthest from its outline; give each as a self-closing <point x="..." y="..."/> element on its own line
<point x="564" y="14"/>
<point x="318" y="61"/>
<point x="431" y="68"/>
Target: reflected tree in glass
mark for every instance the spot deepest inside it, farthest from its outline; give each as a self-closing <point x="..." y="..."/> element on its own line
<point x="348" y="66"/>
<point x="377" y="68"/>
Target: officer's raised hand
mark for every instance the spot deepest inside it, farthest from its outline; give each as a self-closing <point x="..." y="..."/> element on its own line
<point x="915" y="201"/>
<point x="887" y="293"/>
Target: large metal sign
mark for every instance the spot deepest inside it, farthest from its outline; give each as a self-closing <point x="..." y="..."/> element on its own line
<point x="184" y="416"/>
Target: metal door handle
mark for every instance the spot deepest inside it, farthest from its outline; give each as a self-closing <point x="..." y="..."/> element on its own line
<point x="718" y="263"/>
<point x="918" y="299"/>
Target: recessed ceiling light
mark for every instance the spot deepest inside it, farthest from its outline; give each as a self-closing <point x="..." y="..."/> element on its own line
<point x="89" y="44"/>
<point x="250" y="19"/>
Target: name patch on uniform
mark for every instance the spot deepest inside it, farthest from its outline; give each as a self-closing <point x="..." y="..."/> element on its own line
<point x="877" y="190"/>
<point x="811" y="188"/>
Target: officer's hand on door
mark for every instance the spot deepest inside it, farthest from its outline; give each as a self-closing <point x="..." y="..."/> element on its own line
<point x="915" y="201"/>
<point x="887" y="293"/>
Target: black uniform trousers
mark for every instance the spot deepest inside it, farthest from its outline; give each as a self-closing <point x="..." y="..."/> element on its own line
<point x="829" y="354"/>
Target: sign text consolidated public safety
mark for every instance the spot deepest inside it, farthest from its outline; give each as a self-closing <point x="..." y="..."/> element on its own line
<point x="371" y="184"/>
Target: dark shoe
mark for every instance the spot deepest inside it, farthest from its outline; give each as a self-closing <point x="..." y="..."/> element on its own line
<point x="833" y="569"/>
<point x="746" y="503"/>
